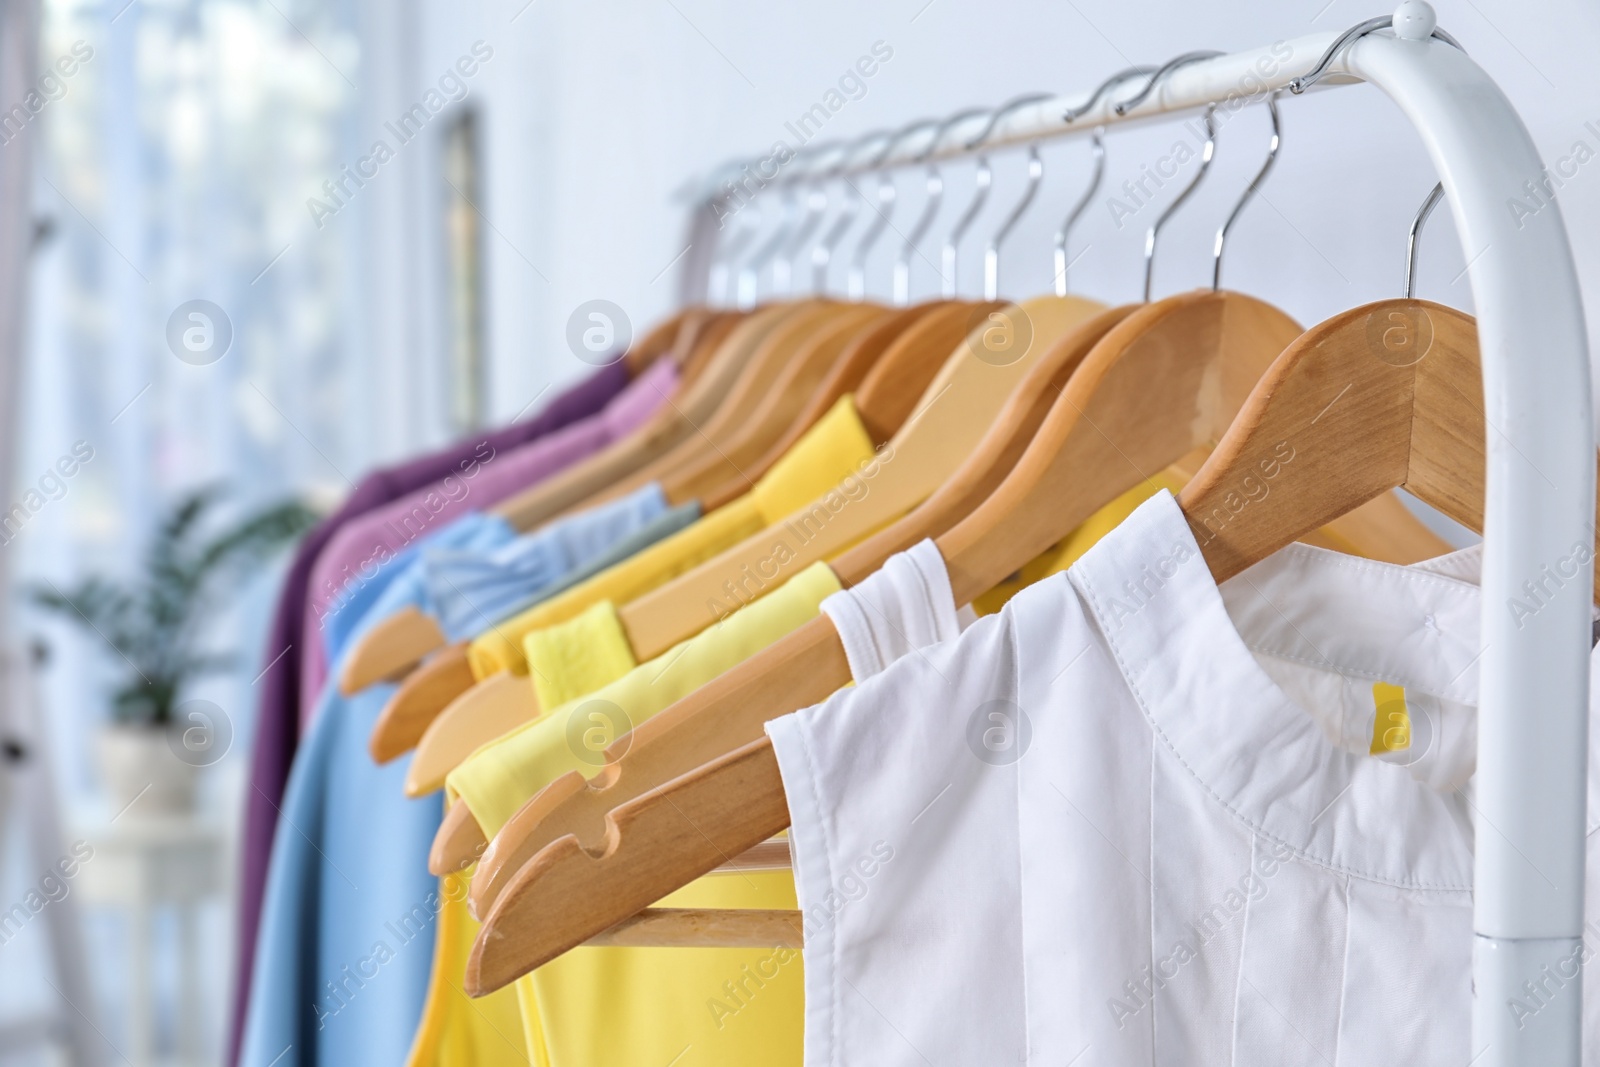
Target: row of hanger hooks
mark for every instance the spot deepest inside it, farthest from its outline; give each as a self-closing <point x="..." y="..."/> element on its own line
<point x="802" y="198"/>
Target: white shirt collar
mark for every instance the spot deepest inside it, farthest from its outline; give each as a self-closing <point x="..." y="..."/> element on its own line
<point x="1185" y="648"/>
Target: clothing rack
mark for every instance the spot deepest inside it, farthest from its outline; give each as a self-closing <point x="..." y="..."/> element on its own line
<point x="1533" y="716"/>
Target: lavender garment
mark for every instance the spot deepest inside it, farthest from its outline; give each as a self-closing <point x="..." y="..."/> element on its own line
<point x="340" y="590"/>
<point x="278" y="714"/>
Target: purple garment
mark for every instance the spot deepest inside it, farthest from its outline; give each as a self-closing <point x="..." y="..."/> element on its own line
<point x="277" y="715"/>
<point x="490" y="477"/>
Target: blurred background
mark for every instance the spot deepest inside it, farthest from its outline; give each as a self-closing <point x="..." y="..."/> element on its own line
<point x="259" y="247"/>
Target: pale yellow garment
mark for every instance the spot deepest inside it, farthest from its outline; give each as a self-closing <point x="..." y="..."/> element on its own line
<point x="643" y="1006"/>
<point x="576" y="657"/>
<point x="836" y="447"/>
<point x="500" y="776"/>
<point x="456" y="1030"/>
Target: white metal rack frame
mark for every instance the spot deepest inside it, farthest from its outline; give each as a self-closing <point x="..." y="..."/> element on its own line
<point x="1534" y="680"/>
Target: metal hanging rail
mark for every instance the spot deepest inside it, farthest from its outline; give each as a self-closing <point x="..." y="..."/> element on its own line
<point x="1534" y="676"/>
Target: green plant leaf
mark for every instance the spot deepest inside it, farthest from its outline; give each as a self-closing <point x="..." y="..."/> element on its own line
<point x="157" y="623"/>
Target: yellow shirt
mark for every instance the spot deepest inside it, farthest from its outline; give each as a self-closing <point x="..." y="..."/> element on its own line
<point x="628" y="1006"/>
<point x="837" y="446"/>
<point x="456" y="1030"/>
<point x="1065" y="552"/>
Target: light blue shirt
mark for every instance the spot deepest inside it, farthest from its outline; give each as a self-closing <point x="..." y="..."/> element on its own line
<point x="471" y="591"/>
<point x="346" y="936"/>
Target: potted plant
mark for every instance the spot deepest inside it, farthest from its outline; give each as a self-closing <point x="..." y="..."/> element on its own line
<point x="155" y="629"/>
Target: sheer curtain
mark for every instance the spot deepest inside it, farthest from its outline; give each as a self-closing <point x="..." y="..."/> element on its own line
<point x="175" y="146"/>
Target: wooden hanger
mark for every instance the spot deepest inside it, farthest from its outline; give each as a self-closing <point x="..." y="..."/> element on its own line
<point x="698" y="345"/>
<point x="499" y="706"/>
<point x="646" y="845"/>
<point x="396" y="645"/>
<point x="808" y="665"/>
<point x="1415" y="425"/>
<point x="898" y="383"/>
<point x="907" y="361"/>
<point x="885" y="392"/>
<point x="986" y="467"/>
<point x="800" y="373"/>
<point x="456" y="846"/>
<point x="661" y="339"/>
<point x="896" y="336"/>
<point x="952" y="416"/>
<point x="1369" y="387"/>
<point x="671" y="743"/>
<point x="1159" y="383"/>
<point x="776" y="349"/>
<point x="390" y="649"/>
<point x="670" y="425"/>
<point x="425" y="692"/>
<point x="858" y="358"/>
<point x="971" y="385"/>
<point x="888" y="390"/>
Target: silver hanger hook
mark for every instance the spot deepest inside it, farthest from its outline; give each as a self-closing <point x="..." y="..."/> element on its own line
<point x="947" y="257"/>
<point x="722" y="263"/>
<point x="816" y="203"/>
<point x="935" y="186"/>
<point x="1073" y="114"/>
<point x="1206" y="153"/>
<point x="999" y="114"/>
<point x="1124" y="106"/>
<point x="886" y="194"/>
<point x="1428" y="204"/>
<point x="749" y="273"/>
<point x="1250" y="191"/>
<point x="727" y="241"/>
<point x="1355" y="33"/>
<point x="1096" y="176"/>
<point x="991" y="251"/>
<point x="984" y="179"/>
<point x="822" y="252"/>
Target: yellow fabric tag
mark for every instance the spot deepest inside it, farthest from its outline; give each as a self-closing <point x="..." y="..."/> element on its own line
<point x="1391" y="727"/>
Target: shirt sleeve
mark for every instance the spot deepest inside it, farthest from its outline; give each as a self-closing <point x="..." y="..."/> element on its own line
<point x="902" y="796"/>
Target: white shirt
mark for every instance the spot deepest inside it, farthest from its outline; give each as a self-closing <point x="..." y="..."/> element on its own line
<point x="1132" y="819"/>
<point x="903" y="606"/>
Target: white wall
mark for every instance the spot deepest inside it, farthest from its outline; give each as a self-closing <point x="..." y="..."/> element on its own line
<point x="598" y="114"/>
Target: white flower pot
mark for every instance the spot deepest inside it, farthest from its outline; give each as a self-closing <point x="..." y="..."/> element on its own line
<point x="142" y="773"/>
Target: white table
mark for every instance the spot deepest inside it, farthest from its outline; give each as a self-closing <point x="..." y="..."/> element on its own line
<point x="141" y="864"/>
